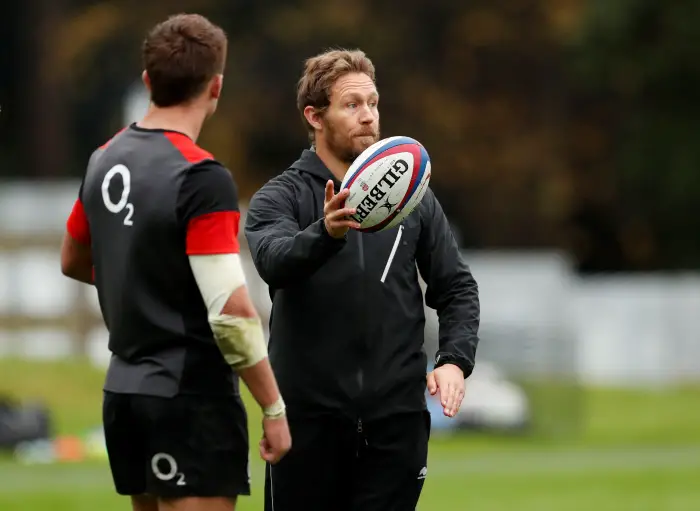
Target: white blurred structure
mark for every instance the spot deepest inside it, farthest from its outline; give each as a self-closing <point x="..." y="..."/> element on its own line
<point x="538" y="317"/>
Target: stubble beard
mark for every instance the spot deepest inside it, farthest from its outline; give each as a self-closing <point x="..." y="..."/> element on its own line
<point x="346" y="148"/>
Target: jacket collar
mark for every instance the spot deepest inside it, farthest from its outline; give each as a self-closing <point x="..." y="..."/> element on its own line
<point x="310" y="163"/>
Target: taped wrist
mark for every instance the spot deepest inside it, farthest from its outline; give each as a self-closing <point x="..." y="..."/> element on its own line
<point x="241" y="340"/>
<point x="277" y="410"/>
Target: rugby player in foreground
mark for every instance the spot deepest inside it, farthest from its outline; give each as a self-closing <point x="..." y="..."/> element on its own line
<point x="155" y="229"/>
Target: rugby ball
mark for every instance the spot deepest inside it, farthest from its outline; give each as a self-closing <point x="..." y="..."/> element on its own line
<point x="386" y="182"/>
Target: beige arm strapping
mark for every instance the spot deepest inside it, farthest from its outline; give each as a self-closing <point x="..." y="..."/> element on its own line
<point x="241" y="340"/>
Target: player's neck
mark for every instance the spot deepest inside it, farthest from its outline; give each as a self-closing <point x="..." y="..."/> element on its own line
<point x="187" y="120"/>
<point x="337" y="167"/>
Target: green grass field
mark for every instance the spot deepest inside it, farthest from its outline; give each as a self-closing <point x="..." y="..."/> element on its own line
<point x="638" y="451"/>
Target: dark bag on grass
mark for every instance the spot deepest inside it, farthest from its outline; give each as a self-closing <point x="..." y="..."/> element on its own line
<point x="22" y="422"/>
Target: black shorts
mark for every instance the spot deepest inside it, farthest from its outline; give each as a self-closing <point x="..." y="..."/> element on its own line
<point x="185" y="446"/>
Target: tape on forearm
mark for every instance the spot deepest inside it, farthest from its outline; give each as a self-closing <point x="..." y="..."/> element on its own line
<point x="277" y="410"/>
<point x="241" y="340"/>
<point x="242" y="343"/>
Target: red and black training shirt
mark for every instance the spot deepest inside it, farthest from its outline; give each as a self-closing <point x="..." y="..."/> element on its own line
<point x="149" y="199"/>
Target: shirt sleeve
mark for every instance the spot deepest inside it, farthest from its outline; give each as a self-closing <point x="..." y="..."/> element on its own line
<point x="451" y="290"/>
<point x="208" y="209"/>
<point x="282" y="252"/>
<point x="77" y="225"/>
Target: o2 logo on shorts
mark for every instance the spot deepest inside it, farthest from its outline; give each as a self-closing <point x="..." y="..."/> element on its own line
<point x="123" y="203"/>
<point x="160" y="461"/>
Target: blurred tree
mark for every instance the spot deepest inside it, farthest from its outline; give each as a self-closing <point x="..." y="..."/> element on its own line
<point x="40" y="109"/>
<point x="637" y="61"/>
<point x="12" y="67"/>
<point x="551" y="123"/>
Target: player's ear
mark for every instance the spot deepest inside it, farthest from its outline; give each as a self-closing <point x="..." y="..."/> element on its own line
<point x="217" y="85"/>
<point x="313" y="117"/>
<point x="146" y="80"/>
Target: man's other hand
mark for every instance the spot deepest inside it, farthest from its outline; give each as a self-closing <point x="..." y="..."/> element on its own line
<point x="449" y="381"/>
<point x="276" y="440"/>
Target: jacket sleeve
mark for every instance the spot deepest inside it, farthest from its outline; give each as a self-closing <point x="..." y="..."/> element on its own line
<point x="282" y="252"/>
<point x="451" y="288"/>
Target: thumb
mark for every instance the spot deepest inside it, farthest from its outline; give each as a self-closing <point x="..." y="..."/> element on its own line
<point x="432" y="384"/>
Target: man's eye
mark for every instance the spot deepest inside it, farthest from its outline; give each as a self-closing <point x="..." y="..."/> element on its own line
<point x="352" y="105"/>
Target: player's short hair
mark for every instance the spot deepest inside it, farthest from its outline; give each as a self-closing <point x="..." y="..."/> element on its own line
<point x="181" y="55"/>
<point x="321" y="72"/>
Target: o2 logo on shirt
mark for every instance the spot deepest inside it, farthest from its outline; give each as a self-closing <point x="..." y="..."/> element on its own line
<point x="123" y="203"/>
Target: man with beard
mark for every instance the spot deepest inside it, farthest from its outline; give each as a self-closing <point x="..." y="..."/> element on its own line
<point x="346" y="347"/>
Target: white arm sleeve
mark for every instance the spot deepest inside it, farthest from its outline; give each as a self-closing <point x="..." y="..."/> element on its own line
<point x="217" y="276"/>
<point x="240" y="339"/>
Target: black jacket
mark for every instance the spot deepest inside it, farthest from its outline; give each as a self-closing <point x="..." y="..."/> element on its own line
<point x="341" y="340"/>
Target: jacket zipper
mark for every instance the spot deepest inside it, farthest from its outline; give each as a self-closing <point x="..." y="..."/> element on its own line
<point x="360" y="437"/>
<point x="363" y="333"/>
<point x="392" y="254"/>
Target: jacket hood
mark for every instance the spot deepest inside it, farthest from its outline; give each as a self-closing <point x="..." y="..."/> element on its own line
<point x="310" y="163"/>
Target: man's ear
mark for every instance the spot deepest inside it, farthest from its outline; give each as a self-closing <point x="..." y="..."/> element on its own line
<point x="217" y="86"/>
<point x="146" y="79"/>
<point x="313" y="117"/>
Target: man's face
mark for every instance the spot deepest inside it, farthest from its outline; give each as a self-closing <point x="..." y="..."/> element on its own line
<point x="351" y="121"/>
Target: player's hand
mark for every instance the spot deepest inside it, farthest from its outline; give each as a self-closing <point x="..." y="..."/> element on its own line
<point x="276" y="440"/>
<point x="448" y="379"/>
<point x="336" y="214"/>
